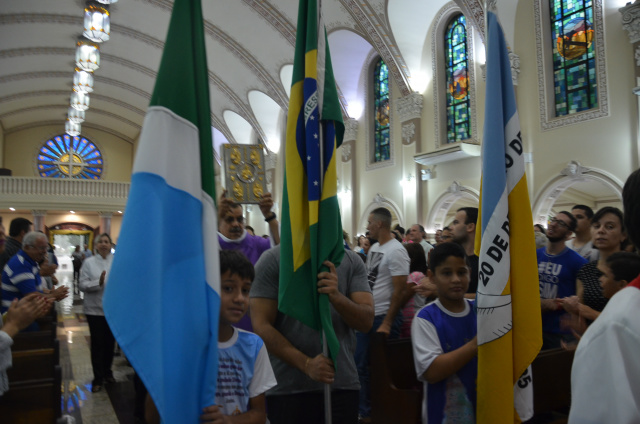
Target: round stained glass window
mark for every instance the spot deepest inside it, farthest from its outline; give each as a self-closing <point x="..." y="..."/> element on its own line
<point x="65" y="156"/>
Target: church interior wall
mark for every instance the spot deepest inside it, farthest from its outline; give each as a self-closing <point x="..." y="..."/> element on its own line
<point x="22" y="146"/>
<point x="603" y="143"/>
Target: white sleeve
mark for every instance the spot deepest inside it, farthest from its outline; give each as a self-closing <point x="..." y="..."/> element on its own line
<point x="263" y="378"/>
<point x="426" y="345"/>
<point x="399" y="262"/>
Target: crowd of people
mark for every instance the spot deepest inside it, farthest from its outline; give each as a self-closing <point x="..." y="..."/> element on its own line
<point x="391" y="282"/>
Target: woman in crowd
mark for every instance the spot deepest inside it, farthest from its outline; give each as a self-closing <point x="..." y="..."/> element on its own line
<point x="93" y="278"/>
<point x="608" y="235"/>
<point x="417" y="271"/>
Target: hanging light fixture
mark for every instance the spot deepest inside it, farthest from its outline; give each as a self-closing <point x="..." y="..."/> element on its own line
<point x="79" y="101"/>
<point x="107" y="1"/>
<point x="72" y="128"/>
<point x="96" y="22"/>
<point x="87" y="56"/>
<point x="76" y="116"/>
<point x="82" y="81"/>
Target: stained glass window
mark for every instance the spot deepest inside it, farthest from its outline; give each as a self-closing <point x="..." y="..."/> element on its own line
<point x="381" y="143"/>
<point x="574" y="62"/>
<point x="65" y="156"/>
<point x="457" y="67"/>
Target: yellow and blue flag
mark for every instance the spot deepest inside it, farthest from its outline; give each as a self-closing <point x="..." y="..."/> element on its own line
<point x="311" y="229"/>
<point x="508" y="299"/>
<point x="162" y="302"/>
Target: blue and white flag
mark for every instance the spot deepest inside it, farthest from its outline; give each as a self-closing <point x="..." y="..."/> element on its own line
<point x="162" y="298"/>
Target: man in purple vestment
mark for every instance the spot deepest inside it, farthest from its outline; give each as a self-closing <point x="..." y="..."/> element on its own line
<point x="233" y="236"/>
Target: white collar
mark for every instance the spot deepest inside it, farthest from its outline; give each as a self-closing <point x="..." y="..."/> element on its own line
<point x="238" y="240"/>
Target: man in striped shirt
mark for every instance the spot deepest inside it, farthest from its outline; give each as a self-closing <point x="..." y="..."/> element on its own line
<point x="21" y="275"/>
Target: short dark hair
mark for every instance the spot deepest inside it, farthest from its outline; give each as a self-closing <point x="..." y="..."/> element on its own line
<point x="541" y="228"/>
<point x="19" y="225"/>
<point x="631" y="204"/>
<point x="572" y="219"/>
<point x="624" y="266"/>
<point x="471" y="215"/>
<point x="441" y="252"/>
<point x="587" y="210"/>
<point x="399" y="229"/>
<point x="417" y="257"/>
<point x="397" y="235"/>
<point x="105" y="235"/>
<point x="609" y="209"/>
<point x="237" y="263"/>
<point x="383" y="215"/>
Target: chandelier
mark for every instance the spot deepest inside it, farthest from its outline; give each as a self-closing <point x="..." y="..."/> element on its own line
<point x="76" y="116"/>
<point x="82" y="81"/>
<point x="96" y="22"/>
<point x="87" y="56"/>
<point x="79" y="101"/>
<point x="72" y="128"/>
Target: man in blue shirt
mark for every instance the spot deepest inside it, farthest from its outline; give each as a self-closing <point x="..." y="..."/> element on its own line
<point x="558" y="268"/>
<point x="21" y="275"/>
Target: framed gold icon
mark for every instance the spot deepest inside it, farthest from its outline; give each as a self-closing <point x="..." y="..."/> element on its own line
<point x="244" y="172"/>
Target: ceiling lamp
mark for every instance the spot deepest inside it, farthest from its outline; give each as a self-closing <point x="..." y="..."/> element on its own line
<point x="79" y="101"/>
<point x="72" y="128"/>
<point x="76" y="116"/>
<point x="96" y="22"/>
<point x="107" y="1"/>
<point x="87" y="56"/>
<point x="82" y="81"/>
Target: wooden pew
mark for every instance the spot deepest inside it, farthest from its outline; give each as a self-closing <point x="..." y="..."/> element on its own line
<point x="396" y="393"/>
<point x="33" y="340"/>
<point x="34" y="381"/>
<point x="551" y="372"/>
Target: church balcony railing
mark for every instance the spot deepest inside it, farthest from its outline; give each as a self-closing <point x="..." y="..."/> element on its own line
<point x="63" y="194"/>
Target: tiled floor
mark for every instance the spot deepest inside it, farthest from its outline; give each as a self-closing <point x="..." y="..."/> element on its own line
<point x="79" y="405"/>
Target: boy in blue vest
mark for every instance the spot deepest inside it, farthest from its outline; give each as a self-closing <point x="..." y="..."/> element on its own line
<point x="244" y="370"/>
<point x="444" y="340"/>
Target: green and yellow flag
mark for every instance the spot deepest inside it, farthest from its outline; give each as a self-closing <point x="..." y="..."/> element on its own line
<point x="311" y="229"/>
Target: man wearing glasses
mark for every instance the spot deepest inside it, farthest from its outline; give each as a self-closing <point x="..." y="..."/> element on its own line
<point x="21" y="275"/>
<point x="233" y="236"/>
<point x="558" y="268"/>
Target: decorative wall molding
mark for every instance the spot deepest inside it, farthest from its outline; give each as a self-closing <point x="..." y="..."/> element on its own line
<point x="381" y="201"/>
<point x="65" y="194"/>
<point x="438" y="59"/>
<point x="631" y="21"/>
<point x="408" y="133"/>
<point x="347" y="151"/>
<point x="381" y="38"/>
<point x="443" y="203"/>
<point x="573" y="173"/>
<point x="474" y="11"/>
<point x="410" y="106"/>
<point x="548" y="120"/>
<point x="350" y="129"/>
<point x="514" y="59"/>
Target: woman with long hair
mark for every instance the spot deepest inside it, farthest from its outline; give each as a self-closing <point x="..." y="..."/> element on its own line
<point x="608" y="235"/>
<point x="93" y="279"/>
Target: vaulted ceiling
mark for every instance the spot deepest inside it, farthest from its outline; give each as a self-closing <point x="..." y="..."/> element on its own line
<point x="250" y="46"/>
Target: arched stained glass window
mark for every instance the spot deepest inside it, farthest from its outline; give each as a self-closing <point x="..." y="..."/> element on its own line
<point x="65" y="156"/>
<point x="574" y="61"/>
<point x="382" y="149"/>
<point x="457" y="67"/>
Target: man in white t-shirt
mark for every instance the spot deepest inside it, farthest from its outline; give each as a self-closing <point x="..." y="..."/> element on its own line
<point x="387" y="269"/>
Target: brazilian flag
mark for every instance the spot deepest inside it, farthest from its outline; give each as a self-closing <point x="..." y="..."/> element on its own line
<point x="311" y="230"/>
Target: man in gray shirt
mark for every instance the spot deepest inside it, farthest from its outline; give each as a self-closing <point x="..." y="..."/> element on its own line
<point x="295" y="350"/>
